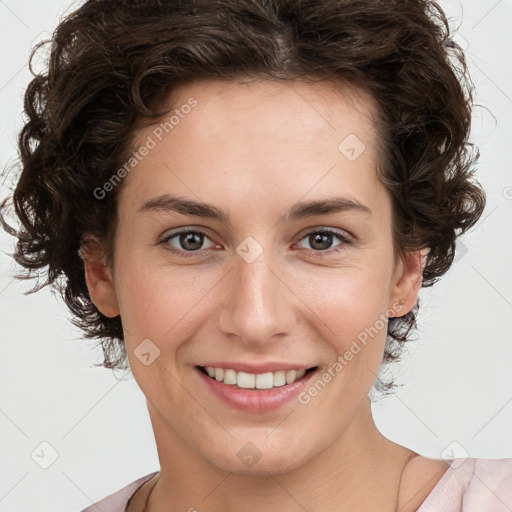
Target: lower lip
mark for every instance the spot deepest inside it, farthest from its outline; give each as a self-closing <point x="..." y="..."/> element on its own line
<point x="256" y="400"/>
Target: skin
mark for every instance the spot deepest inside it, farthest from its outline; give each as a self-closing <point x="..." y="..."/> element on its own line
<point x="254" y="150"/>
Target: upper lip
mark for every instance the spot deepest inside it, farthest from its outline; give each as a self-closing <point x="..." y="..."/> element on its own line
<point x="271" y="366"/>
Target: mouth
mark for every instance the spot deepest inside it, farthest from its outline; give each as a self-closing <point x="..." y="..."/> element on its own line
<point x="256" y="381"/>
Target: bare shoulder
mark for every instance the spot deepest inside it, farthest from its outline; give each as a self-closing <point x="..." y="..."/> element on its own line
<point x="421" y="475"/>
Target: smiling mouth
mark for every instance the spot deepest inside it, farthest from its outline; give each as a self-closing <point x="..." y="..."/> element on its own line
<point x="244" y="380"/>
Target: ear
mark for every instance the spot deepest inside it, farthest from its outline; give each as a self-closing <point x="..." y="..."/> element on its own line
<point x="98" y="277"/>
<point x="407" y="280"/>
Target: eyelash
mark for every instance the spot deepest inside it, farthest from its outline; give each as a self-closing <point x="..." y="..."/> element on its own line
<point x="343" y="237"/>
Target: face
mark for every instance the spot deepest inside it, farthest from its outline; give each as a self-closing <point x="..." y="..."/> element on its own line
<point x="259" y="283"/>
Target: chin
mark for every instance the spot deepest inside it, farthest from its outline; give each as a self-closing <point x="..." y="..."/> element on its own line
<point x="279" y="462"/>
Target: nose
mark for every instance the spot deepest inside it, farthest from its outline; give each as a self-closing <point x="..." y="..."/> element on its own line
<point x="259" y="302"/>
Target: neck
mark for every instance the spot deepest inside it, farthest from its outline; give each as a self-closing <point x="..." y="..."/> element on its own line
<point x="360" y="471"/>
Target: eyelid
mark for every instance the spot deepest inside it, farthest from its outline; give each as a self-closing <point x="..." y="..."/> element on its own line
<point x="188" y="229"/>
<point x="346" y="239"/>
<point x="344" y="236"/>
<point x="334" y="231"/>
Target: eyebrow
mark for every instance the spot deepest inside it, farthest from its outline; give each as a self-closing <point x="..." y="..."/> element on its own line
<point x="168" y="202"/>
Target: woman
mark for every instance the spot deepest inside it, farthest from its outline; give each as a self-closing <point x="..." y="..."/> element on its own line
<point x="245" y="198"/>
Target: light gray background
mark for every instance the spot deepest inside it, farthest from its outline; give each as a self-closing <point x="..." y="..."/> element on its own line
<point x="457" y="394"/>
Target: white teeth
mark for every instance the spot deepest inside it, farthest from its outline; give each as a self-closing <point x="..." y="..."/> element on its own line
<point x="230" y="377"/>
<point x="264" y="380"/>
<point x="246" y="380"/>
<point x="279" y="378"/>
<point x="290" y="376"/>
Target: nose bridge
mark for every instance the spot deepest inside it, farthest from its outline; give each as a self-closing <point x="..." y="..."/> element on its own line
<point x="259" y="306"/>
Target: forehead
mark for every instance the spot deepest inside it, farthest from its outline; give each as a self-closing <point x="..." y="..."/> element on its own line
<point x="327" y="105"/>
<point x="221" y="137"/>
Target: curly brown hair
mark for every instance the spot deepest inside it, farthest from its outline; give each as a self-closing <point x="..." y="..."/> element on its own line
<point x="113" y="63"/>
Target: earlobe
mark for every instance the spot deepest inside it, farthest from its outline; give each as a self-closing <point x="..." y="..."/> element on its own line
<point x="98" y="277"/>
<point x="408" y="279"/>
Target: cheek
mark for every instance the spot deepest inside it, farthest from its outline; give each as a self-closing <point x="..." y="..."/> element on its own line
<point x="156" y="302"/>
<point x="158" y="306"/>
<point x="351" y="300"/>
<point x="353" y="313"/>
<point x="357" y="334"/>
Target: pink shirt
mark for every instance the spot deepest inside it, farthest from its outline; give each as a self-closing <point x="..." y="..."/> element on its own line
<point x="469" y="485"/>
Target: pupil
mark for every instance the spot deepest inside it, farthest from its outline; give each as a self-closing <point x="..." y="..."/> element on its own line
<point x="320" y="238"/>
<point x="187" y="241"/>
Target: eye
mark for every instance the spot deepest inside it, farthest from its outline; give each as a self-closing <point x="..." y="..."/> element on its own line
<point x="188" y="241"/>
<point x="320" y="240"/>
